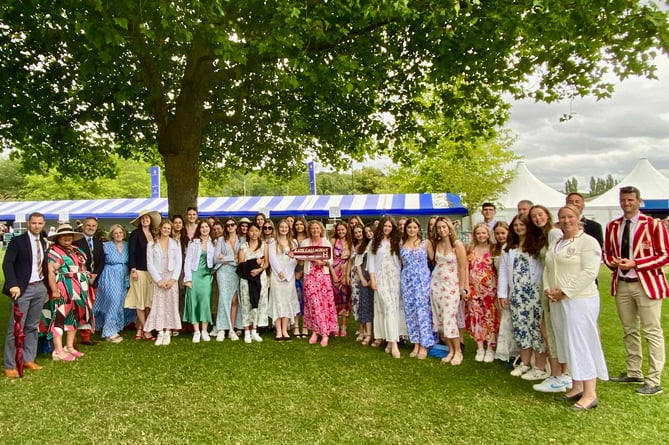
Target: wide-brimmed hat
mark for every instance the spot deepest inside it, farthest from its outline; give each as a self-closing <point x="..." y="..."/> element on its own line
<point x="244" y="220"/>
<point x="65" y="229"/>
<point x="155" y="218"/>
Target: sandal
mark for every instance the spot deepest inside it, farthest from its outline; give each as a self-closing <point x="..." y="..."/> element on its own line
<point x="378" y="342"/>
<point x="447" y="359"/>
<point x="366" y="340"/>
<point x="150" y="337"/>
<point x="138" y="334"/>
<point x="457" y="359"/>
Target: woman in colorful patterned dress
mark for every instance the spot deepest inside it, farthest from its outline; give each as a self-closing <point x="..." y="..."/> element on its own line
<point x="112" y="286"/>
<point x="255" y="305"/>
<point x="68" y="308"/>
<point x="415" y="287"/>
<point x="299" y="234"/>
<point x="282" y="294"/>
<point x="481" y="318"/>
<point x="163" y="259"/>
<point x="228" y="317"/>
<point x="342" y="247"/>
<point x="520" y="272"/>
<point x="320" y="314"/>
<point x="198" y="280"/>
<point x="449" y="283"/>
<point x="384" y="272"/>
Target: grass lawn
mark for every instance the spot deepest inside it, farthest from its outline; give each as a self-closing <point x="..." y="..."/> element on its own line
<point x="296" y="393"/>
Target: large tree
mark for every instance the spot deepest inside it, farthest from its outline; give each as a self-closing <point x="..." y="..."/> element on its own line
<point x="257" y="83"/>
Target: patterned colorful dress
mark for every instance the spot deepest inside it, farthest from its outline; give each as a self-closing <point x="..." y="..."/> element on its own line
<point x="259" y="316"/>
<point x="445" y="294"/>
<point x="197" y="307"/>
<point x="366" y="304"/>
<point x="525" y="306"/>
<point x="415" y="287"/>
<point x="320" y="314"/>
<point x="73" y="310"/>
<point x="113" y="285"/>
<point x="342" y="292"/>
<point x="481" y="316"/>
<point x="356" y="259"/>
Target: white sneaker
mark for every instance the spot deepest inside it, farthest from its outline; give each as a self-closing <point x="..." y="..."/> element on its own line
<point x="566" y="379"/>
<point x="520" y="370"/>
<point x="159" y="339"/>
<point x="479" y="355"/>
<point x="256" y="337"/>
<point x="233" y="335"/>
<point x="167" y="338"/>
<point x="247" y="337"/>
<point x="220" y="336"/>
<point x="205" y="336"/>
<point x="535" y="374"/>
<point x="489" y="356"/>
<point x="213" y="332"/>
<point x="551" y="384"/>
<point x="196" y="337"/>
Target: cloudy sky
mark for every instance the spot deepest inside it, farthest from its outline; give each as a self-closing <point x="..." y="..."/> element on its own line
<point x="605" y="137"/>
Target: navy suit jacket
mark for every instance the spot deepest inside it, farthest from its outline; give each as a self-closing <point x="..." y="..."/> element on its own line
<point x="18" y="262"/>
<point x="98" y="257"/>
<point x="594" y="229"/>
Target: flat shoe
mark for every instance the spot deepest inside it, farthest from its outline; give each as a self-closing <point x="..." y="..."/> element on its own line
<point x="592" y="405"/>
<point x="573" y="398"/>
<point x="447" y="359"/>
<point x="422" y="356"/>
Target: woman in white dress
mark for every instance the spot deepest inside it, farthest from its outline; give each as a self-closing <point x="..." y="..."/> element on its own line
<point x="572" y="264"/>
<point x="384" y="271"/>
<point x="282" y="293"/>
<point x="163" y="261"/>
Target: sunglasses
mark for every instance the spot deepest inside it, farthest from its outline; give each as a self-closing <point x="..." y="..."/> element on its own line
<point x="268" y="228"/>
<point x="230" y="225"/>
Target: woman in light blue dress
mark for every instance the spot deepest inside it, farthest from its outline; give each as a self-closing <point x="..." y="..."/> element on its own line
<point x="415" y="288"/>
<point x="113" y="286"/>
<point x="228" y="317"/>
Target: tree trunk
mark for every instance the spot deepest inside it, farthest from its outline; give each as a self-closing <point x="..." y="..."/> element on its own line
<point x="182" y="169"/>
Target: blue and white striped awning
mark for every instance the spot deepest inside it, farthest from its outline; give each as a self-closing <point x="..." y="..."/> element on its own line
<point x="277" y="206"/>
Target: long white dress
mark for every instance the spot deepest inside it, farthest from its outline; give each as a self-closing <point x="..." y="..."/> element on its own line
<point x="282" y="293"/>
<point x="389" y="318"/>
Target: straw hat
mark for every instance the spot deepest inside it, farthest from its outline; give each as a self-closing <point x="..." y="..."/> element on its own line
<point x="155" y="218"/>
<point x="65" y="229"/>
<point x="244" y="220"/>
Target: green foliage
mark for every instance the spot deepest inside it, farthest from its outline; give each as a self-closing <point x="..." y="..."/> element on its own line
<point x="11" y="181"/>
<point x="601" y="185"/>
<point x="571" y="185"/>
<point x="251" y="84"/>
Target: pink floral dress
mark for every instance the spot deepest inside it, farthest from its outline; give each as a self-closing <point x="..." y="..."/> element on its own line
<point x="445" y="294"/>
<point x="320" y="315"/>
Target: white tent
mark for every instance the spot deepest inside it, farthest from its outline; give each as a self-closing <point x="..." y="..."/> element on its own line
<point x="654" y="187"/>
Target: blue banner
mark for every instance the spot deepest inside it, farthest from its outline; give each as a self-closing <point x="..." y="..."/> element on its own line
<point x="155" y="181"/>
<point x="312" y="177"/>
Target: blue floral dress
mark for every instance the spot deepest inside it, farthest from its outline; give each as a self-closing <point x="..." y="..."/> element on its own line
<point x="415" y="288"/>
<point x="525" y="305"/>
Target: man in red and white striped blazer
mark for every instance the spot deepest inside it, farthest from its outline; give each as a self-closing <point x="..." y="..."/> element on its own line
<point x="639" y="285"/>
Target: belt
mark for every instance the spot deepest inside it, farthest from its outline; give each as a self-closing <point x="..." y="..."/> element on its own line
<point x="629" y="280"/>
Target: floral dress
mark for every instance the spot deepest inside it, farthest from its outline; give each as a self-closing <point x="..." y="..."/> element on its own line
<point x="415" y="288"/>
<point x="525" y="306"/>
<point x="320" y="315"/>
<point x="445" y="294"/>
<point x="481" y="316"/>
<point x="73" y="310"/>
<point x="342" y="292"/>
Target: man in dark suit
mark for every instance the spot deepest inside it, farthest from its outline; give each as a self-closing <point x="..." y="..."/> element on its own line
<point x="95" y="262"/>
<point x="592" y="228"/>
<point x="25" y="268"/>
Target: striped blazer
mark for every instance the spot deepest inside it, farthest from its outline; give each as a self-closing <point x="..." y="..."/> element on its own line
<point x="650" y="246"/>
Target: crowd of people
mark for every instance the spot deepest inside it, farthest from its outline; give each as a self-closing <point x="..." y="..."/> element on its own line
<point x="525" y="292"/>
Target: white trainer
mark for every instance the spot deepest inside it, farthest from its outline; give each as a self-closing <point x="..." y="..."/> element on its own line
<point x="520" y="370"/>
<point x="489" y="356"/>
<point x="535" y="374"/>
<point x="233" y="335"/>
<point x="160" y="339"/>
<point x="196" y="337"/>
<point x="479" y="355"/>
<point x="167" y="338"/>
<point x="256" y="337"/>
<point x="220" y="336"/>
<point x="247" y="337"/>
<point x="551" y="384"/>
<point x="205" y="336"/>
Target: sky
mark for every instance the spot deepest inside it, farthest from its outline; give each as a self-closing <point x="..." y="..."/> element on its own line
<point x="603" y="137"/>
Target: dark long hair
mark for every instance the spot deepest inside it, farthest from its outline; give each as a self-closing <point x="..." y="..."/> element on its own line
<point x="531" y="244"/>
<point x="394" y="236"/>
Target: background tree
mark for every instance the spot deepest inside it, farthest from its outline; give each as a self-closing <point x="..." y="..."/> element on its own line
<point x="571" y="186"/>
<point x="255" y="84"/>
<point x="601" y="185"/>
<point x="11" y="180"/>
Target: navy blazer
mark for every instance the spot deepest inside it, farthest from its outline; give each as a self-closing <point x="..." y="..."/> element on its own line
<point x="98" y="257"/>
<point x="18" y="262"/>
<point x="594" y="229"/>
